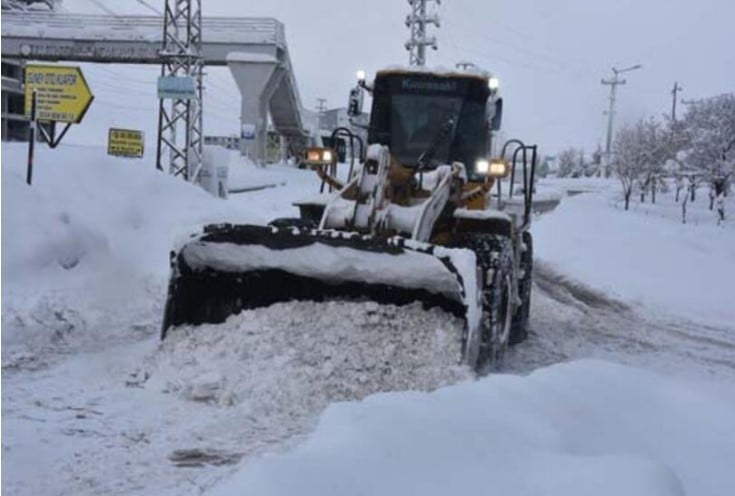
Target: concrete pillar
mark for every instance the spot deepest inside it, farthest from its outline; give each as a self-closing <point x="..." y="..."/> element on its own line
<point x="257" y="78"/>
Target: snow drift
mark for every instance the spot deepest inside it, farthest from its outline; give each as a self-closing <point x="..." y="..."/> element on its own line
<point x="645" y="256"/>
<point x="576" y="429"/>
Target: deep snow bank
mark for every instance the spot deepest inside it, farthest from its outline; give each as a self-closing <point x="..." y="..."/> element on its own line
<point x="85" y="249"/>
<point x="576" y="429"/>
<point x="645" y="255"/>
<point x="86" y="210"/>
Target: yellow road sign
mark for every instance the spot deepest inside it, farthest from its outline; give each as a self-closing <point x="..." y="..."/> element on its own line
<point x="62" y="94"/>
<point x="125" y="143"/>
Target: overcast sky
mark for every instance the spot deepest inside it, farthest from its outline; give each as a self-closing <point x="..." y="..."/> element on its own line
<point x="549" y="55"/>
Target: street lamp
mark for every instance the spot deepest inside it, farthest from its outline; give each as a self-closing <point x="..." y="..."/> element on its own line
<point x="613" y="83"/>
<point x="631" y="68"/>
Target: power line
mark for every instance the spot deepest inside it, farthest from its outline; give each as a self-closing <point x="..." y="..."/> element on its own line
<point x="127" y="78"/>
<point x="149" y="7"/>
<point x="103" y="7"/>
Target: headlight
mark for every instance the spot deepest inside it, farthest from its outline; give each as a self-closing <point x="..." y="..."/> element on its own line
<point x="320" y="156"/>
<point x="494" y="168"/>
<point x="499" y="168"/>
<point x="482" y="166"/>
<point x="313" y="156"/>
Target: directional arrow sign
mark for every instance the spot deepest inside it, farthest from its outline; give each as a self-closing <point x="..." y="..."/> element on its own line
<point x="62" y="93"/>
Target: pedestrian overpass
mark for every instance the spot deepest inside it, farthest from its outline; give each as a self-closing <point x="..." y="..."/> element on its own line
<point x="254" y="49"/>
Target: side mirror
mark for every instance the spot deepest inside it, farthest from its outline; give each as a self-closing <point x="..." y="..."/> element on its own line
<point x="497" y="117"/>
<point x="354" y="106"/>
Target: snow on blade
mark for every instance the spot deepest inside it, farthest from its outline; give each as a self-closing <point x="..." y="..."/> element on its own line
<point x="410" y="269"/>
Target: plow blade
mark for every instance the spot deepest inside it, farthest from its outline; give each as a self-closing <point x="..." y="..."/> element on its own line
<point x="229" y="268"/>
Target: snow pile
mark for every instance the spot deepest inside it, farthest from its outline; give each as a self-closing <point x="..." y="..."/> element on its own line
<point x="85" y="249"/>
<point x="86" y="210"/>
<point x="646" y="255"/>
<point x="293" y="359"/>
<point x="37" y="236"/>
<point x="576" y="429"/>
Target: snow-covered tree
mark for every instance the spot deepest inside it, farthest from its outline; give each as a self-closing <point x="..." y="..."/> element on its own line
<point x="628" y="159"/>
<point x="640" y="154"/>
<point x="710" y="132"/>
<point x="565" y="162"/>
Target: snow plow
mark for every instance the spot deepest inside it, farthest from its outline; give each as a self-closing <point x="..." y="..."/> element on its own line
<point x="421" y="216"/>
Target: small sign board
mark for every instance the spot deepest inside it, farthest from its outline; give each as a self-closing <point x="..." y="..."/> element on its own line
<point x="177" y="88"/>
<point x="62" y="94"/>
<point x="125" y="143"/>
<point x="248" y="131"/>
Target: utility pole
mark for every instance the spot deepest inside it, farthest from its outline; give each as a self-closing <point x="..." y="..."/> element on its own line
<point x="674" y="93"/>
<point x="613" y="83"/>
<point x="321" y="107"/>
<point x="180" y="131"/>
<point x="417" y="21"/>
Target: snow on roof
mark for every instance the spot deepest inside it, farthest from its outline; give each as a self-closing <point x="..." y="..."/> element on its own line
<point x="256" y="58"/>
<point x="472" y="71"/>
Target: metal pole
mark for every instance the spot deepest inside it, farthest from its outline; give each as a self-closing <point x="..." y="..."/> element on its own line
<point x="418" y="22"/>
<point x="674" y="92"/>
<point x="611" y="115"/>
<point x="31" y="139"/>
<point x="422" y="33"/>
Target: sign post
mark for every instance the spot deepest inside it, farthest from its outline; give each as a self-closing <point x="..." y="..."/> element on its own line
<point x="62" y="95"/>
<point x="31" y="139"/>
<point x="125" y="143"/>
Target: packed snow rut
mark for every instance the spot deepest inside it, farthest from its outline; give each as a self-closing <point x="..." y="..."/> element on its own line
<point x="570" y="320"/>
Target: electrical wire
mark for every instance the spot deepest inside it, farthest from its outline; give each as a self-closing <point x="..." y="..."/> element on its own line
<point x="149" y="7"/>
<point x="103" y="7"/>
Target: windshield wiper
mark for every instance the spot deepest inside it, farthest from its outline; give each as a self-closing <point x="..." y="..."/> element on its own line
<point x="427" y="156"/>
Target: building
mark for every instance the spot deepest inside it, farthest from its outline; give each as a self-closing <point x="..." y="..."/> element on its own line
<point x="15" y="125"/>
<point x="14" y="122"/>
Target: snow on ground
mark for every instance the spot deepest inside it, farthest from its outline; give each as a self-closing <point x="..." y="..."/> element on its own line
<point x="575" y="429"/>
<point x="93" y="403"/>
<point x="645" y="256"/>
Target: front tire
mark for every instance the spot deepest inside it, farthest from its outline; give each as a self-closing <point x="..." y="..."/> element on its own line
<point x="519" y="326"/>
<point x="494" y="256"/>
